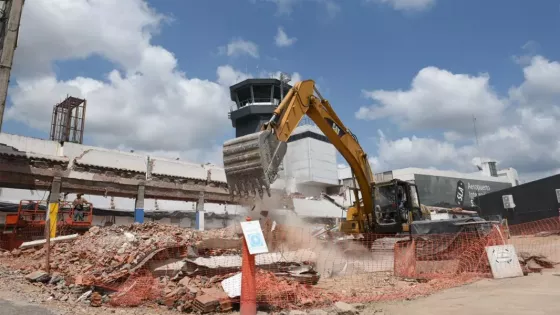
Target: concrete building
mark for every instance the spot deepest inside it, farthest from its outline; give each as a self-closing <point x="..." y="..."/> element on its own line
<point x="310" y="162"/>
<point x="309" y="166"/>
<point x="443" y="188"/>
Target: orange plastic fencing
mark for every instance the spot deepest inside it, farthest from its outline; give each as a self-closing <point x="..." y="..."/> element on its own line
<point x="194" y="271"/>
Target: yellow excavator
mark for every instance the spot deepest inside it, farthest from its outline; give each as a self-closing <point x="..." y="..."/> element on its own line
<point x="252" y="162"/>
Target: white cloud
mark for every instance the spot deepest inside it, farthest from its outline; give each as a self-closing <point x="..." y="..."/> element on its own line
<point x="146" y="103"/>
<point x="525" y="139"/>
<point x="418" y="152"/>
<point x="542" y="84"/>
<point x="89" y="27"/>
<point x="282" y="40"/>
<point x="228" y="76"/>
<point x="294" y="77"/>
<point x="407" y="5"/>
<point x="438" y="99"/>
<point x="240" y="47"/>
<point x="286" y="7"/>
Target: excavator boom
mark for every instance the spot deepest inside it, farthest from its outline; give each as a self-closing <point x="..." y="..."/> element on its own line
<point x="252" y="162"/>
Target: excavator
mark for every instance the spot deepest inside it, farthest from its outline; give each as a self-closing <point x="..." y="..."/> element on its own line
<point x="252" y="163"/>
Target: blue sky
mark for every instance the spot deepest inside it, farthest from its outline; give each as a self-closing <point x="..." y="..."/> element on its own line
<point x="355" y="46"/>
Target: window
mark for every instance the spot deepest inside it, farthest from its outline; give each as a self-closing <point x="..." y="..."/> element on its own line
<point x="493" y="170"/>
<point x="308" y="134"/>
<point x="414" y="197"/>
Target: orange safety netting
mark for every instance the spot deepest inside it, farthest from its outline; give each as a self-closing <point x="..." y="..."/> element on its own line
<point x="303" y="269"/>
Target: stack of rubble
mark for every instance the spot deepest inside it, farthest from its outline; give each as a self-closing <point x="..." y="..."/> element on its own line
<point x="108" y="253"/>
<point x="177" y="267"/>
<point x="534" y="263"/>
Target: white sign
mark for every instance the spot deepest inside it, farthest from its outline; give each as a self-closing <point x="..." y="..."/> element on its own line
<point x="508" y="201"/>
<point x="254" y="237"/>
<point x="503" y="261"/>
<point x="558" y="195"/>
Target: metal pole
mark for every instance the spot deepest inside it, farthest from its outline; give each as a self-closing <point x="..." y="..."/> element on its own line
<point x="48" y="248"/>
<point x="14" y="7"/>
<point x="248" y="280"/>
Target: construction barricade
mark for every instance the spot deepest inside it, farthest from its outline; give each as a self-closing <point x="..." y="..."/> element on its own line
<point x="200" y="271"/>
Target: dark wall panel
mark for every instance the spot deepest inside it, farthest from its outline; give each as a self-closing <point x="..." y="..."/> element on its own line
<point x="533" y="201"/>
<point x="439" y="191"/>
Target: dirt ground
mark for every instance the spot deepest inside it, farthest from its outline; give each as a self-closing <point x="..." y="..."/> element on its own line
<point x="536" y="294"/>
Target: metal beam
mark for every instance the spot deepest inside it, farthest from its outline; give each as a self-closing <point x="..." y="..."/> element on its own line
<point x="111" y="186"/>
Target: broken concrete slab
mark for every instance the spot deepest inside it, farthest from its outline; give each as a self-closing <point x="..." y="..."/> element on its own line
<point x="185" y="281"/>
<point x="53" y="240"/>
<point x="168" y="267"/>
<point x="318" y="312"/>
<point x="38" y="276"/>
<point x="219" y="243"/>
<point x="345" y="309"/>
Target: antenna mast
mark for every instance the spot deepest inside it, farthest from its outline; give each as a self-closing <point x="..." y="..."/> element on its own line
<point x="475" y="133"/>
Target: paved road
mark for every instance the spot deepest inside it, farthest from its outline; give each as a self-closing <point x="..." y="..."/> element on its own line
<point x="535" y="294"/>
<point x="12" y="308"/>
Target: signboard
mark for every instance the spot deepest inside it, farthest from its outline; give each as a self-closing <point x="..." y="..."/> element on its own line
<point x="503" y="261"/>
<point x="254" y="237"/>
<point x="460" y="193"/>
<point x="440" y="191"/>
<point x="558" y="195"/>
<point x="508" y="201"/>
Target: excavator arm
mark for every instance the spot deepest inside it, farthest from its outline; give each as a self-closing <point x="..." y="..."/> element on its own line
<point x="251" y="162"/>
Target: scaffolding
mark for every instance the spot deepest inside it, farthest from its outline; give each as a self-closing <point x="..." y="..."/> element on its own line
<point x="68" y="120"/>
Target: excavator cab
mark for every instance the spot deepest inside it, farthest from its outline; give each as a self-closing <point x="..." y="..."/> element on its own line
<point x="396" y="205"/>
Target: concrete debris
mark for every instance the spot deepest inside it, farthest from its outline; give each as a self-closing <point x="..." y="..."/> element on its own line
<point x="535" y="263"/>
<point x="53" y="240"/>
<point x="84" y="296"/>
<point x="175" y="267"/>
<point x="345" y="309"/>
<point x="96" y="299"/>
<point x="547" y="233"/>
<point x="38" y="276"/>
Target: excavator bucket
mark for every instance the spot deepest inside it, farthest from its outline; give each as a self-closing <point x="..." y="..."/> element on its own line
<point x="251" y="162"/>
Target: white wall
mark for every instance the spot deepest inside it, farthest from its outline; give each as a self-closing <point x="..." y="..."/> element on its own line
<point x="310" y="161"/>
<point x="32" y="145"/>
<point x="510" y="174"/>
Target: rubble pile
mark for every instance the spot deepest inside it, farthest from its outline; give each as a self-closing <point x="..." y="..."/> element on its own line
<point x="286" y="293"/>
<point x="179" y="268"/>
<point x="534" y="263"/>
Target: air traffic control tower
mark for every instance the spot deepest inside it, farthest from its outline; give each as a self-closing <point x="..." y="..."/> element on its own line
<point x="255" y="101"/>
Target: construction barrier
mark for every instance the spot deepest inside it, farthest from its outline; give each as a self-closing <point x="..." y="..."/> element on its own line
<point x="201" y="271"/>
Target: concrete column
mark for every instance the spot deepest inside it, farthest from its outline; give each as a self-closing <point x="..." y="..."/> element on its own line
<point x="139" y="205"/>
<point x="200" y="212"/>
<point x="52" y="212"/>
<point x="14" y="9"/>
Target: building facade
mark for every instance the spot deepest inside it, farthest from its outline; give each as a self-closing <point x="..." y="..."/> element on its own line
<point x="441" y="188"/>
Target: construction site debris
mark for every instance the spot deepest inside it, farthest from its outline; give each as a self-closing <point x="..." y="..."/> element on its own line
<point x="53" y="240"/>
<point x="286" y="293"/>
<point x="38" y="276"/>
<point x="535" y="263"/>
<point x="96" y="299"/>
<point x="547" y="233"/>
<point x="345" y="309"/>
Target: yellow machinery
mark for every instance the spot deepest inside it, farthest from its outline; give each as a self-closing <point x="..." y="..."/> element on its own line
<point x="251" y="162"/>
